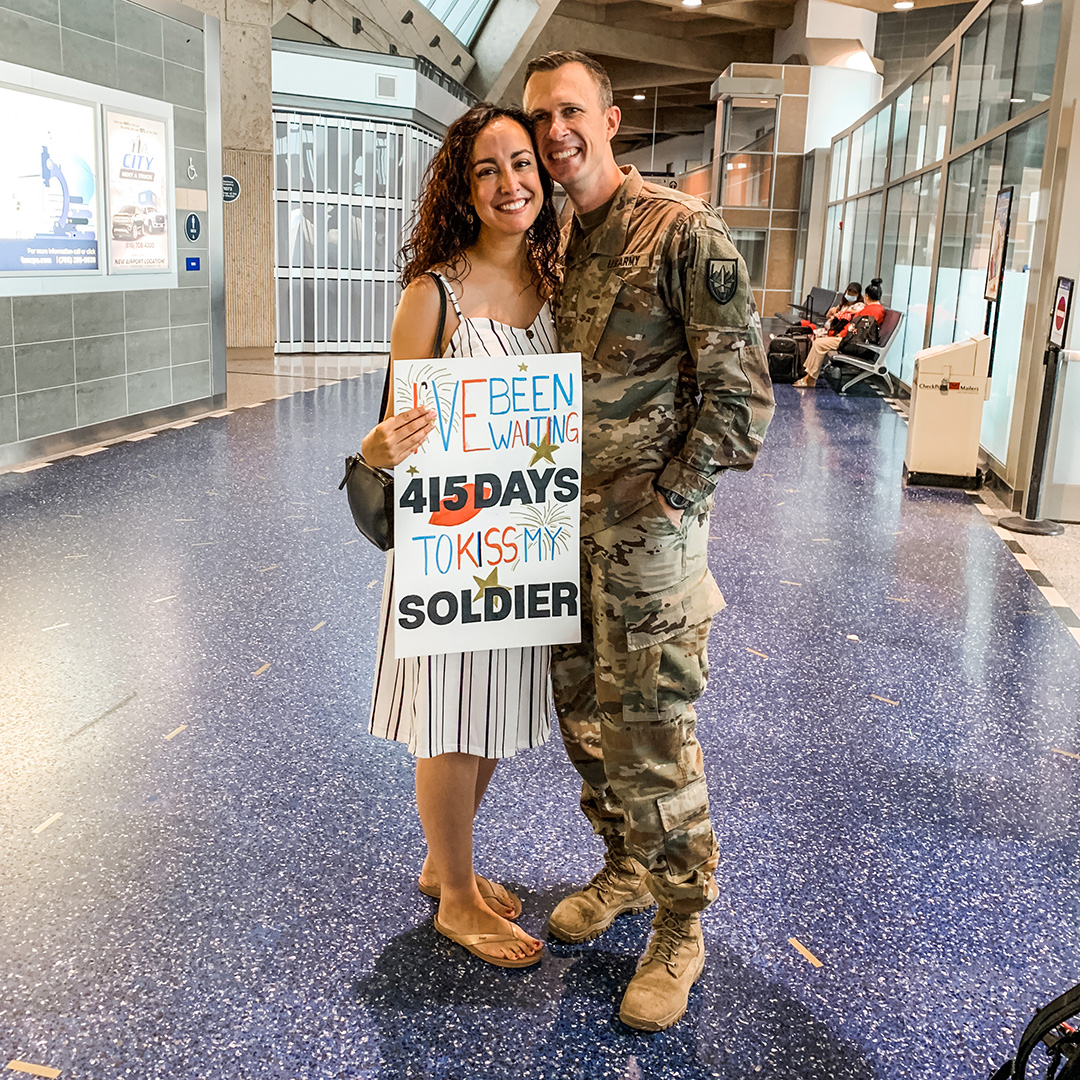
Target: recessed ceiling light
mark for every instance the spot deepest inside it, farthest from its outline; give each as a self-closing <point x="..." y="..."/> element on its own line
<point x="1017" y="100"/>
<point x="1029" y="3"/>
<point x="904" y="5"/>
<point x="691" y="3"/>
<point x="639" y="96"/>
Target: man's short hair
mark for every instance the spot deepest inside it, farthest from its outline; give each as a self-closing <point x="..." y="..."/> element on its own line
<point x="552" y="61"/>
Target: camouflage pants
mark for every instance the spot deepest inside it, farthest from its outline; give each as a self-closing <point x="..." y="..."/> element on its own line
<point x="625" y="695"/>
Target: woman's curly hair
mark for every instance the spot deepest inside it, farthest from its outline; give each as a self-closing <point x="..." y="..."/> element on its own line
<point x="445" y="223"/>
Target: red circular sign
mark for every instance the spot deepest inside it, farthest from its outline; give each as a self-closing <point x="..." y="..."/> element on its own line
<point x="1059" y="315"/>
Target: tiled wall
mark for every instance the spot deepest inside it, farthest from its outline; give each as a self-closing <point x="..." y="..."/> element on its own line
<point x="906" y="38"/>
<point x="70" y="361"/>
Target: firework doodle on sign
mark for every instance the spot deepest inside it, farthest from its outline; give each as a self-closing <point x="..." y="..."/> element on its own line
<point x="429" y="380"/>
<point x="552" y="516"/>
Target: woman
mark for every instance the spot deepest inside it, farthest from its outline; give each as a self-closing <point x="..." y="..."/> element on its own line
<point x="487" y="227"/>
<point x="837" y="320"/>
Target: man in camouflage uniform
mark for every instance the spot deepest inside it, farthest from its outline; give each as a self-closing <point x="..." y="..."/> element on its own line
<point x="676" y="389"/>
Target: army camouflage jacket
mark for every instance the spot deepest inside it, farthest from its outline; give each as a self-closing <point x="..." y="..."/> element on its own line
<point x="675" y="381"/>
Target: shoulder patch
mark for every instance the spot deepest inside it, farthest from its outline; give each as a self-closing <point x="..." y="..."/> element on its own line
<point x="722" y="279"/>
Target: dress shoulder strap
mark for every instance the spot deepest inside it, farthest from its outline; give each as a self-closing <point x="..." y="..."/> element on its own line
<point x="450" y="291"/>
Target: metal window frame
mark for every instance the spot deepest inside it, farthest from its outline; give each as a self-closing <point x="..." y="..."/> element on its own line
<point x="944" y="164"/>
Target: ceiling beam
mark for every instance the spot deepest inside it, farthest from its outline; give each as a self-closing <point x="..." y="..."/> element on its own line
<point x="756" y="14"/>
<point x="604" y="40"/>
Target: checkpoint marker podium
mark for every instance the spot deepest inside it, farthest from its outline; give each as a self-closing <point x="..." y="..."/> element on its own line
<point x="948" y="388"/>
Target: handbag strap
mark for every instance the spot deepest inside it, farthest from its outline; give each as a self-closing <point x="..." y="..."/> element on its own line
<point x="436" y="348"/>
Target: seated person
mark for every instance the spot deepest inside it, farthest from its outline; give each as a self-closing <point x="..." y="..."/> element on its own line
<point x="829" y="343"/>
<point x="841" y="313"/>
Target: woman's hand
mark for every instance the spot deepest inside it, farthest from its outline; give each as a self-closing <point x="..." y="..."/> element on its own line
<point x="392" y="441"/>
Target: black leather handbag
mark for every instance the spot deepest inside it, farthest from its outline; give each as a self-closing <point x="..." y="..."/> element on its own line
<point x="371" y="490"/>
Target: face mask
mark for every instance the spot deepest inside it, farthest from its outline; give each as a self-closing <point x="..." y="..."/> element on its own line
<point x="850" y="297"/>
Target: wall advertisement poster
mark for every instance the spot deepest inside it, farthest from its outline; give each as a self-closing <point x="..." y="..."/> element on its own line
<point x="140" y="216"/>
<point x="487" y="518"/>
<point x="49" y="201"/>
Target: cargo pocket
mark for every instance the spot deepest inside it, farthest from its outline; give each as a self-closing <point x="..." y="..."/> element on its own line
<point x="688" y="836"/>
<point x="666" y="638"/>
<point x="615" y="320"/>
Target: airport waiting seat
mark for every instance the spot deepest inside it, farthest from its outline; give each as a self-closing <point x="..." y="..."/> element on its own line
<point x="865" y="368"/>
<point x="814" y="307"/>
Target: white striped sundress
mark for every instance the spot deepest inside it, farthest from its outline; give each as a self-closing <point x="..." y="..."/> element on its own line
<point x="489" y="703"/>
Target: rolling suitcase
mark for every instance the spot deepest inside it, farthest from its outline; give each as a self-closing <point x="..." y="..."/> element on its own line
<point x="787" y="356"/>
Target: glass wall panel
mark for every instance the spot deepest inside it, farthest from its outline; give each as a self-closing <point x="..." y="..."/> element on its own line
<point x="863" y="260"/>
<point x="917" y="119"/>
<point x="749" y="126"/>
<point x="830" y="262"/>
<point x="901" y="115"/>
<point x="999" y="64"/>
<point x="969" y="84"/>
<point x="855" y="168"/>
<point x="929" y="116"/>
<point x="745" y="179"/>
<point x="881" y="147"/>
<point x="848" y="226"/>
<point x="974" y="180"/>
<point x="1040" y="25"/>
<point x="752" y="244"/>
<point x="802" y="237"/>
<point x="905" y="264"/>
<point x="1023" y="172"/>
<point x="937" y="119"/>
<point x="838" y="170"/>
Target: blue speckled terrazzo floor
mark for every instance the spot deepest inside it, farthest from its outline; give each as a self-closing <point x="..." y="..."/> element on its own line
<point x="238" y="900"/>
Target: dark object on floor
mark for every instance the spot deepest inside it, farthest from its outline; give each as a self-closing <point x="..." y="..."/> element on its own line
<point x="787" y="357"/>
<point x="1061" y="1042"/>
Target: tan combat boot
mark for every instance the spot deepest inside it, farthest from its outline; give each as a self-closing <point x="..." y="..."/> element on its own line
<point x="622" y="885"/>
<point x="657" y="995"/>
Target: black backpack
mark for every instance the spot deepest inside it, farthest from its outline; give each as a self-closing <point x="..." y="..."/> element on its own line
<point x="787" y="356"/>
<point x="864" y="331"/>
<point x="1060" y="1039"/>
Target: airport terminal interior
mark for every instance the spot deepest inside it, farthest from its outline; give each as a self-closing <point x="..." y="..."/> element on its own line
<point x="208" y="865"/>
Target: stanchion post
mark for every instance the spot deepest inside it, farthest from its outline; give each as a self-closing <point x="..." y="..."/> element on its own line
<point x="1030" y="522"/>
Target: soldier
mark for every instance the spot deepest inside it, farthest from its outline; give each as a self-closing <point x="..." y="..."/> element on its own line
<point x="656" y="299"/>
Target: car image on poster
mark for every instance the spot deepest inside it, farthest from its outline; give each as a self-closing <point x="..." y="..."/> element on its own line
<point x="49" y="204"/>
<point x="137" y="159"/>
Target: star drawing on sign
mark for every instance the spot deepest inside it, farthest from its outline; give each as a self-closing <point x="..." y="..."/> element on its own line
<point x="543" y="449"/>
<point x="523" y="367"/>
<point x="491" y="581"/>
<point x="413" y="470"/>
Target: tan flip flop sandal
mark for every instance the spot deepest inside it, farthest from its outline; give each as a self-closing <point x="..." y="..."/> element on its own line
<point x="471" y="943"/>
<point x="487" y="891"/>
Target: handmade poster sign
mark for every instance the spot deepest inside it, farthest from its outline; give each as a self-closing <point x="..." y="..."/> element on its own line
<point x="486" y="525"/>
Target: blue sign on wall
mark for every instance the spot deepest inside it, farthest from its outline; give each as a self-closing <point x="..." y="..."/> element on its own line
<point x="230" y="188"/>
<point x="192" y="263"/>
<point x="192" y="227"/>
